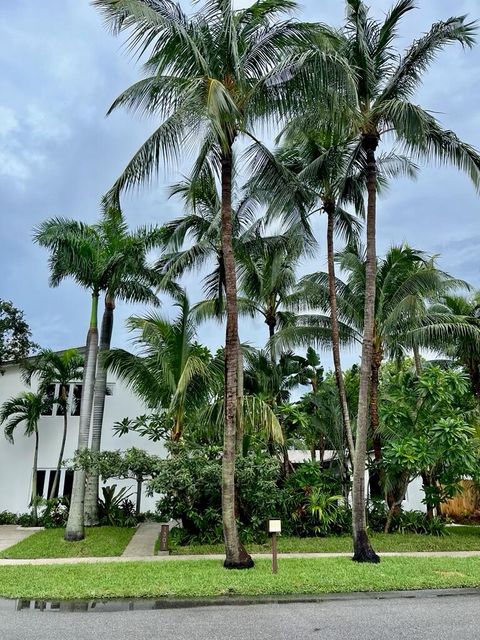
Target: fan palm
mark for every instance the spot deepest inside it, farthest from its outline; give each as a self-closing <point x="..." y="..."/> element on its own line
<point x="52" y="368"/>
<point x="210" y="78"/>
<point x="26" y="408"/>
<point x="103" y="258"/>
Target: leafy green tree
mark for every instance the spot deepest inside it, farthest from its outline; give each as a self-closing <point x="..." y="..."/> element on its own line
<point x="105" y="259"/>
<point x="15" y="335"/>
<point x="51" y="368"/>
<point x="428" y="423"/>
<point x="212" y="77"/>
<point x="26" y="408"/>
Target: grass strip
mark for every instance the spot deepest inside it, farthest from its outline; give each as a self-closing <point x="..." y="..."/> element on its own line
<point x="456" y="539"/>
<point x="98" y="542"/>
<point x="206" y="578"/>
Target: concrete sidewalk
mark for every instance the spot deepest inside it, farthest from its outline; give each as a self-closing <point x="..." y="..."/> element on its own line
<point x="143" y="541"/>
<point x="10" y="534"/>
<point x="220" y="557"/>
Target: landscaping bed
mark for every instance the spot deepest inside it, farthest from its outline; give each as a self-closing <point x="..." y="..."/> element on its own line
<point x="207" y="578"/>
<point x="455" y="539"/>
<point x="98" y="542"/>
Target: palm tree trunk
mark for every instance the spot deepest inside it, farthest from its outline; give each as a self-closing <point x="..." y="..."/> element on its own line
<point x="75" y="529"/>
<point x="363" y="551"/>
<point x="34" y="481"/>
<point x="332" y="292"/>
<point x="91" y="489"/>
<point x="139" y="495"/>
<point x="417" y="360"/>
<point x="240" y="425"/>
<point x="236" y="555"/>
<point x="376" y="476"/>
<point x="56" y="480"/>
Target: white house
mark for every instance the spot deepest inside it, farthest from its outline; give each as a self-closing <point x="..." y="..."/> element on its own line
<point x="16" y="459"/>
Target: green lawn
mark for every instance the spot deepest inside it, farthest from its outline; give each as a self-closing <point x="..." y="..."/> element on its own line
<point x="456" y="539"/>
<point x="205" y="578"/>
<point x="98" y="542"/>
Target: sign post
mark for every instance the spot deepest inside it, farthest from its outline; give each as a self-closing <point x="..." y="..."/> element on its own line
<point x="163" y="536"/>
<point x="274" y="527"/>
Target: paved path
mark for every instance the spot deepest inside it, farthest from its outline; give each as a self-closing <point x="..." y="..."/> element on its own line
<point x="364" y="618"/>
<point x="143" y="541"/>
<point x="256" y="556"/>
<point x="10" y="534"/>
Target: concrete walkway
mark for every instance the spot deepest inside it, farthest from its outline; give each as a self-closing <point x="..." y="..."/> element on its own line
<point x="219" y="557"/>
<point x="10" y="534"/>
<point x="143" y="541"/>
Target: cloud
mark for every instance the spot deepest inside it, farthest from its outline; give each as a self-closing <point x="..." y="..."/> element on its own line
<point x="58" y="154"/>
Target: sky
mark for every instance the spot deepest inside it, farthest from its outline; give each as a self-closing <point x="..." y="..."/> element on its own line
<point x="60" y="71"/>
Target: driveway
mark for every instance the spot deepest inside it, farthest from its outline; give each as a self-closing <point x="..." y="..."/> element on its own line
<point x="426" y="618"/>
<point x="10" y="534"/>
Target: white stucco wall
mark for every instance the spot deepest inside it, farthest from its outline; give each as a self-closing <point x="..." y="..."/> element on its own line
<point x="16" y="460"/>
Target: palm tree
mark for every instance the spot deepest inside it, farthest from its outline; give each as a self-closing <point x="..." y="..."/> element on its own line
<point x="385" y="83"/>
<point x="462" y="349"/>
<point x="26" y="408"/>
<point x="320" y="170"/>
<point x="56" y="368"/>
<point x="102" y="258"/>
<point x="172" y="371"/>
<point x="213" y="76"/>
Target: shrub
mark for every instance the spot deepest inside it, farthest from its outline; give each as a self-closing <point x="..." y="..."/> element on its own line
<point x="417" y="522"/>
<point x="190" y="488"/>
<point x="7" y="517"/>
<point x="55" y="514"/>
<point x="115" y="508"/>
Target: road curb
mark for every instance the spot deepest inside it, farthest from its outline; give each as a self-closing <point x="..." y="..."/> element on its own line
<point x="150" y="604"/>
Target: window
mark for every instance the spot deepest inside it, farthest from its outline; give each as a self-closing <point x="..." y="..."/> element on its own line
<point x="60" y="408"/>
<point x="46" y="478"/>
<point x="76" y="399"/>
<point x="49" y="395"/>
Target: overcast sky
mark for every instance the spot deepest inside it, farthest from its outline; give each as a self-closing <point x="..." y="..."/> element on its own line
<point x="61" y="69"/>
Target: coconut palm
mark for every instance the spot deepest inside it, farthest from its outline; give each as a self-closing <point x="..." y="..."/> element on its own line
<point x="105" y="259"/>
<point x="385" y="84"/>
<point x="211" y="77"/>
<point x="26" y="408"/>
<point x="52" y="368"/>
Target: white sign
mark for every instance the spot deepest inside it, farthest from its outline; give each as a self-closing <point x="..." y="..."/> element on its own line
<point x="274" y="526"/>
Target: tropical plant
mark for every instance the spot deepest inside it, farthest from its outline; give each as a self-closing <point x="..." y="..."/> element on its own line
<point x="462" y="349"/>
<point x="27" y="408"/>
<point x="173" y="371"/>
<point x="51" y="368"/>
<point x="428" y="424"/>
<point x="103" y="258"/>
<point x="407" y="280"/>
<point x="213" y="75"/>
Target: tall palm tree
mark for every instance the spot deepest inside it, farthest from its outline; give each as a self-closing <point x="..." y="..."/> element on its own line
<point x="105" y="259"/>
<point x="321" y="169"/>
<point x="26" y="408"/>
<point x="212" y="77"/>
<point x="52" y="368"/>
<point x="385" y="84"/>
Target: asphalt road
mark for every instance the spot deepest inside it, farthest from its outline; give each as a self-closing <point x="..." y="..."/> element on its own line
<point x="444" y="618"/>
